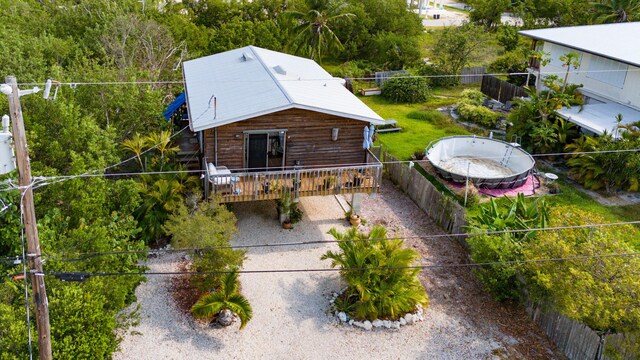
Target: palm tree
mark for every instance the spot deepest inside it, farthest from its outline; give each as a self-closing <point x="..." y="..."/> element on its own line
<point x="136" y="145"/>
<point x="616" y="11"/>
<point x="162" y="142"/>
<point x="314" y="26"/>
<point x="389" y="287"/>
<point x="226" y="298"/>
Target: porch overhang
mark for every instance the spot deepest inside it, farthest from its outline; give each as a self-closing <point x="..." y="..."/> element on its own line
<point x="600" y="118"/>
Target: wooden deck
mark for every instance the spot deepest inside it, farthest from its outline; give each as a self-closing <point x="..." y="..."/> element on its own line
<point x="269" y="185"/>
<point x="238" y="187"/>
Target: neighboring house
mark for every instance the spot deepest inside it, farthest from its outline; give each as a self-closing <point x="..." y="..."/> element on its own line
<point x="268" y="122"/>
<point x="609" y="71"/>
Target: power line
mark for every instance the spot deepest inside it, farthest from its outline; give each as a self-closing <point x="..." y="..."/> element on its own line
<point x="86" y="256"/>
<point x="73" y="276"/>
<point x="74" y="84"/>
<point x="42" y="180"/>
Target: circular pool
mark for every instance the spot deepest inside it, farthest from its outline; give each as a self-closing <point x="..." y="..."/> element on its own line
<point x="489" y="163"/>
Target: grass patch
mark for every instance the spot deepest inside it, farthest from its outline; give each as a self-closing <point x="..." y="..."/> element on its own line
<point x="416" y="133"/>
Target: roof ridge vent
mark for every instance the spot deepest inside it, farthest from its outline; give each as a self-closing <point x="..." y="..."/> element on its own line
<point x="280" y="70"/>
<point x="246" y="57"/>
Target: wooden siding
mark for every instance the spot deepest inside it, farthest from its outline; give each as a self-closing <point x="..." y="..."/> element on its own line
<point x="308" y="139"/>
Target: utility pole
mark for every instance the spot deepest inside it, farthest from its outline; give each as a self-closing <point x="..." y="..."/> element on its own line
<point x="31" y="230"/>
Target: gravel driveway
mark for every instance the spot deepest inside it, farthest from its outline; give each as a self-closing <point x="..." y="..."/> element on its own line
<point x="291" y="319"/>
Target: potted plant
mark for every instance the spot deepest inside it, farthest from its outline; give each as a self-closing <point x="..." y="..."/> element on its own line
<point x="355" y="220"/>
<point x="284" y="206"/>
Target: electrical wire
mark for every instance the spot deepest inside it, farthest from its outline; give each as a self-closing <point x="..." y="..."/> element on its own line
<point x="74" y="84"/>
<point x="86" y="256"/>
<point x="277" y="271"/>
<point x="43" y="179"/>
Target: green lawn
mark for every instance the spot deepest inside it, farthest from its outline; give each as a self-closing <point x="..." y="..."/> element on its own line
<point x="415" y="134"/>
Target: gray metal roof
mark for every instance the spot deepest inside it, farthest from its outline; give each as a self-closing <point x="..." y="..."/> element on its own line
<point x="614" y="41"/>
<point x="600" y="118"/>
<point x="247" y="82"/>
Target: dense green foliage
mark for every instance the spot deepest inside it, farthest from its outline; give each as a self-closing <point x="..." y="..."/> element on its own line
<point x="600" y="292"/>
<point x="607" y="171"/>
<point x="502" y="280"/>
<point x="536" y="120"/>
<point x="388" y="289"/>
<point x="470" y="109"/>
<point x="404" y="89"/>
<point x="458" y="46"/>
<point x="206" y="225"/>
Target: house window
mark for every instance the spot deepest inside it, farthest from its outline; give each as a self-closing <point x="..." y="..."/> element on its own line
<point x="607" y="71"/>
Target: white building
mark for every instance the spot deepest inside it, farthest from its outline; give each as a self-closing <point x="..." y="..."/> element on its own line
<point x="609" y="71"/>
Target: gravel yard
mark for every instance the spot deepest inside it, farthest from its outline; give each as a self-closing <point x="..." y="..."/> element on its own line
<point x="291" y="319"/>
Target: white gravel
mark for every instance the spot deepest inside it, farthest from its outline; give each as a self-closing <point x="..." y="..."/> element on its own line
<point x="290" y="309"/>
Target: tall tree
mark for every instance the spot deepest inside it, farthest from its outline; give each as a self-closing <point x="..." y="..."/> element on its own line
<point x="314" y="30"/>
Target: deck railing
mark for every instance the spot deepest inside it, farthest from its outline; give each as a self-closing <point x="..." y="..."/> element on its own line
<point x="267" y="185"/>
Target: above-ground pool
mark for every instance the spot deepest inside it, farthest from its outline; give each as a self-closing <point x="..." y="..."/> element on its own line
<point x="488" y="163"/>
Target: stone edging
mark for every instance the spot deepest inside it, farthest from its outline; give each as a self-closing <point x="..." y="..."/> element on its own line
<point x="407" y="319"/>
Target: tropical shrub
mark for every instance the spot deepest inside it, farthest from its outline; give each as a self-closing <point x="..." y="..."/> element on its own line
<point x="536" y="120"/>
<point x="388" y="288"/>
<point x="502" y="280"/>
<point x="393" y="51"/>
<point x="609" y="171"/>
<point x="227" y="297"/>
<point x="512" y="62"/>
<point x="472" y="96"/>
<point x="601" y="292"/>
<point x="208" y="225"/>
<point x="478" y="114"/>
<point x="406" y="90"/>
<point x="508" y="37"/>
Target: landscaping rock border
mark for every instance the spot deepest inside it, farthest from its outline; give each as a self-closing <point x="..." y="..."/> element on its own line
<point x="407" y="319"/>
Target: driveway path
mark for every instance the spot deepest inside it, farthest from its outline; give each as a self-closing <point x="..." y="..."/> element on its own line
<point x="291" y="319"/>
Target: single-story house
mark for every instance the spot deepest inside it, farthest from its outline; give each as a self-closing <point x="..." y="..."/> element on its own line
<point x="269" y="121"/>
<point x="609" y="71"/>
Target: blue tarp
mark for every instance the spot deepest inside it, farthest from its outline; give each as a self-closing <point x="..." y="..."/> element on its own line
<point x="175" y="105"/>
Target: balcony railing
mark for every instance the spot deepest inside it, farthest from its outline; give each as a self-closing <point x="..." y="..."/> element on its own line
<point x="267" y="185"/>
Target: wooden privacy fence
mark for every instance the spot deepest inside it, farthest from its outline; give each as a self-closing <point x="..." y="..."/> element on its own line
<point x="472" y="75"/>
<point x="499" y="89"/>
<point x="446" y="212"/>
<point x="575" y="339"/>
<point x="382" y="76"/>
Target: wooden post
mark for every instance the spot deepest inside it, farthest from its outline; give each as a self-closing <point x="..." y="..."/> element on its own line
<point x="30" y="228"/>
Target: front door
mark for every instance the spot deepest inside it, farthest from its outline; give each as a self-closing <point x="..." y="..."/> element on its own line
<point x="264" y="150"/>
<point x="257" y="156"/>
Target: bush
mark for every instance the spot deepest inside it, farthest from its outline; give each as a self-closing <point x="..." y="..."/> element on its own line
<point x="478" y="114"/>
<point x="208" y="225"/>
<point x="406" y="90"/>
<point x="472" y="96"/>
<point x="355" y="69"/>
<point x="388" y="289"/>
<point x="393" y="51"/>
<point x="512" y="62"/>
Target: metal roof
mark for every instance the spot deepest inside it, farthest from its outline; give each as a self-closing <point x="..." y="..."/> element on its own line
<point x="247" y="82"/>
<point x="600" y="118"/>
<point x="614" y="41"/>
